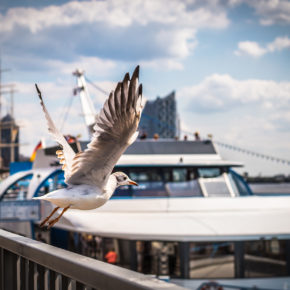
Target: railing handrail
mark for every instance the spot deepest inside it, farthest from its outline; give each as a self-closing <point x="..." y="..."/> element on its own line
<point x="91" y="272"/>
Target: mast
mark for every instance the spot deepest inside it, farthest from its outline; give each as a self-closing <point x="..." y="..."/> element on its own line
<point x="86" y="102"/>
<point x="9" y="144"/>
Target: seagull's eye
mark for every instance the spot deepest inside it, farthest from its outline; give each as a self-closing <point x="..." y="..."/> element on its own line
<point x="121" y="178"/>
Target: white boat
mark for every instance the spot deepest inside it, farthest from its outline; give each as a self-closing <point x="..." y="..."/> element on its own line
<point x="192" y="218"/>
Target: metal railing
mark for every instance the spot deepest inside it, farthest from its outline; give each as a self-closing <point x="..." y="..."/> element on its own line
<point x="29" y="264"/>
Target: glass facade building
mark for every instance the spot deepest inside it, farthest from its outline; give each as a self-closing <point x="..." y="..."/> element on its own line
<point x="160" y="117"/>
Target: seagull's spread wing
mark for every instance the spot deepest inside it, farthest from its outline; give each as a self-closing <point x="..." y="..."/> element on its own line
<point x="66" y="155"/>
<point x="115" y="130"/>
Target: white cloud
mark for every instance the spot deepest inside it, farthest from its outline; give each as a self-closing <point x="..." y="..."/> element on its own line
<point x="115" y="13"/>
<point x="167" y="64"/>
<point x="219" y="93"/>
<point x="114" y="29"/>
<point x="279" y="43"/>
<point x="272" y="11"/>
<point x="252" y="48"/>
<point x="93" y="65"/>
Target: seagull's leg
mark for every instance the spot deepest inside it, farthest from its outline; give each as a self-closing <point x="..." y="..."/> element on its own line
<point x="52" y="222"/>
<point x="47" y="218"/>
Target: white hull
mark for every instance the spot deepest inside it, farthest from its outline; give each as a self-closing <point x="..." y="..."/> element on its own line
<point x="185" y="219"/>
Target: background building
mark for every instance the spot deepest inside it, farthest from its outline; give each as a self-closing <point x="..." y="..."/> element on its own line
<point x="160" y="117"/>
<point x="9" y="141"/>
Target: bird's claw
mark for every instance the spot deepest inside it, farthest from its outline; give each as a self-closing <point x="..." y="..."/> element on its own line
<point x="51" y="223"/>
<point x="43" y="223"/>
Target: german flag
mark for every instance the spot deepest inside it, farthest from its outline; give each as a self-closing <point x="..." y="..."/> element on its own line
<point x="38" y="146"/>
<point x="70" y="139"/>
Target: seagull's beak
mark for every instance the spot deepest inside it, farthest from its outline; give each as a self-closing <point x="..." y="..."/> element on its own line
<point x="133" y="182"/>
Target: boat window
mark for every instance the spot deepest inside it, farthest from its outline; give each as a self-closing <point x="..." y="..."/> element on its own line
<point x="212" y="260"/>
<point x="265" y="258"/>
<point x="55" y="181"/>
<point x="155" y="188"/>
<point x="157" y="181"/>
<point x="215" y="187"/>
<point x="167" y="174"/>
<point x="209" y="172"/>
<point x="190" y="174"/>
<point x="145" y="174"/>
<point x="239" y="184"/>
<point x="156" y="175"/>
<point x="179" y="174"/>
<point x="122" y="191"/>
<point x="139" y="176"/>
<point x="18" y="190"/>
<point x="187" y="188"/>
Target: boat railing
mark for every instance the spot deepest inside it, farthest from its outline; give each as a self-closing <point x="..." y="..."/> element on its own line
<point x="29" y="264"/>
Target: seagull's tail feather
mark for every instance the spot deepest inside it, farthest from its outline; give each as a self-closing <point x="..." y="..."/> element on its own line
<point x="39" y="197"/>
<point x="47" y="197"/>
<point x="55" y="199"/>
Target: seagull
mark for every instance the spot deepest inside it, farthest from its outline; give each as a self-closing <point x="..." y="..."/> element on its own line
<point x="88" y="174"/>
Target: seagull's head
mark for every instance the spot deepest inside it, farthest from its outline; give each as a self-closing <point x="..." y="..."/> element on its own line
<point x="123" y="179"/>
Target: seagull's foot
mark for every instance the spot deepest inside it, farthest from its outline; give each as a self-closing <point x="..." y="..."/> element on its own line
<point x="48" y="217"/>
<point x="52" y="223"/>
<point x="44" y="222"/>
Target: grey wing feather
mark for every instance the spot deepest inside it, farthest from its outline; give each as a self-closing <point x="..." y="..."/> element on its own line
<point x="66" y="155"/>
<point x="115" y="129"/>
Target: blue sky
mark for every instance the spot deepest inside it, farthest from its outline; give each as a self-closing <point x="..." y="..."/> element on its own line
<point x="227" y="60"/>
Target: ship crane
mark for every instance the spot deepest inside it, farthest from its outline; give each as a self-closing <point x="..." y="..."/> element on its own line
<point x="88" y="108"/>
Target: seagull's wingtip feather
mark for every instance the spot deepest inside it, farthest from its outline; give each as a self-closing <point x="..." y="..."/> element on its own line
<point x="126" y="77"/>
<point x="140" y="90"/>
<point x="136" y="72"/>
<point x="38" y="91"/>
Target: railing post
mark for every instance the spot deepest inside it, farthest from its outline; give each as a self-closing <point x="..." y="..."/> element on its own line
<point x="1" y="269"/>
<point x="133" y="256"/>
<point x="40" y="270"/>
<point x="46" y="279"/>
<point x="71" y="285"/>
<point x="184" y="260"/>
<point x="58" y="282"/>
<point x="52" y="277"/>
<point x="26" y="265"/>
<point x="35" y="276"/>
<point x="10" y="261"/>
<point x="239" y="260"/>
<point x="20" y="273"/>
<point x="288" y="256"/>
